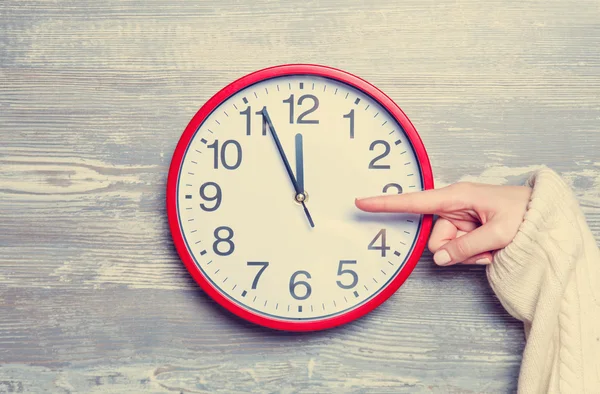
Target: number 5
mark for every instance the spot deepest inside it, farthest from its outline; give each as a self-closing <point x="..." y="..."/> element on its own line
<point x="347" y="271"/>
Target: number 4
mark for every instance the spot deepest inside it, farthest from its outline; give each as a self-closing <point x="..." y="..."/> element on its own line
<point x="381" y="234"/>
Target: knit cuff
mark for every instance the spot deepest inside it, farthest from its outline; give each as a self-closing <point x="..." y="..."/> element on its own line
<point x="546" y="234"/>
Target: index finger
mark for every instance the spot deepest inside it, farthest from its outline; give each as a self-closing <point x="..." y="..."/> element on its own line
<point x="424" y="202"/>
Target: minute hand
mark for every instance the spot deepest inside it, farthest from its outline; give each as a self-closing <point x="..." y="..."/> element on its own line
<point x="286" y="163"/>
<point x="281" y="152"/>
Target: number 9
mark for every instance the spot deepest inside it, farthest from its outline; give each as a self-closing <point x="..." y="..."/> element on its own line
<point x="216" y="197"/>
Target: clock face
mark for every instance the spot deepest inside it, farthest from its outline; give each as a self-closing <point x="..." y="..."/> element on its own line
<point x="261" y="197"/>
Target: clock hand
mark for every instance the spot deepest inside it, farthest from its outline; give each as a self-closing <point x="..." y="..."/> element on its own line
<point x="300" y="163"/>
<point x="299" y="192"/>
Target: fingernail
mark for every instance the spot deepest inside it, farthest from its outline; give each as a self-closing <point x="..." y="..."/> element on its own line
<point x="441" y="258"/>
<point x="485" y="261"/>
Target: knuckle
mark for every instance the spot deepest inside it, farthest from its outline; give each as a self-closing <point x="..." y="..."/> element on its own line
<point x="462" y="248"/>
<point x="432" y="245"/>
<point x="464" y="186"/>
<point x="499" y="235"/>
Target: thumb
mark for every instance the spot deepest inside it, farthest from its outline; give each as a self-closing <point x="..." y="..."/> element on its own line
<point x="483" y="239"/>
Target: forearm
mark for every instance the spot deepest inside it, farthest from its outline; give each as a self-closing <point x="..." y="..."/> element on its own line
<point x="549" y="278"/>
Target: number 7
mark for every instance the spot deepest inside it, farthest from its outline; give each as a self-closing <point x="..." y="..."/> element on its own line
<point x="264" y="265"/>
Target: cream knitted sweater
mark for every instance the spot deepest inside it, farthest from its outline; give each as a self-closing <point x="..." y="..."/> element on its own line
<point x="549" y="278"/>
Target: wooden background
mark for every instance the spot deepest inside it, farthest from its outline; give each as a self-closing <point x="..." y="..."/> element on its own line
<point x="93" y="98"/>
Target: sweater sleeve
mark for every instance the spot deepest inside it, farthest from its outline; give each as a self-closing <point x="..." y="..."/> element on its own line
<point x="549" y="278"/>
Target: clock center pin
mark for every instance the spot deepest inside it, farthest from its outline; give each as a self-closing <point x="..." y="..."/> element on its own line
<point x="301" y="197"/>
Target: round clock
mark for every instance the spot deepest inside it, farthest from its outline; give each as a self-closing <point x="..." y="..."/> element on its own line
<point x="261" y="191"/>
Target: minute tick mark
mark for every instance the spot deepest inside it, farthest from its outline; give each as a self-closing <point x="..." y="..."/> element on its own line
<point x="255" y="95"/>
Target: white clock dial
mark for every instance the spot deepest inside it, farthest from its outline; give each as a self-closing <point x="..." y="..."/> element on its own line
<point x="243" y="225"/>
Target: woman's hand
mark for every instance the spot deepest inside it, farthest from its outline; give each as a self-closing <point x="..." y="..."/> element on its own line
<point x="474" y="219"/>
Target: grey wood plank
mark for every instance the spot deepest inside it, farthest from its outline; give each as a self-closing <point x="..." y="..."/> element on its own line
<point x="93" y="98"/>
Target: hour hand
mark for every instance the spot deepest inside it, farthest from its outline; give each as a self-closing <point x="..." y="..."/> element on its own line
<point x="300" y="164"/>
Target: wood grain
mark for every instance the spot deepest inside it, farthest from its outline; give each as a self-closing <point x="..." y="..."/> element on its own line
<point x="93" y="99"/>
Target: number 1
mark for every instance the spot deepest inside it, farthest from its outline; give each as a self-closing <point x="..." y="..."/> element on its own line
<point x="350" y="115"/>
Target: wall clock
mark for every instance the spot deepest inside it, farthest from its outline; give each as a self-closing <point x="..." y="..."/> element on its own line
<point x="261" y="190"/>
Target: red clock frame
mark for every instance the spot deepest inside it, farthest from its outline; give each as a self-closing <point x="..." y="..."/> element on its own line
<point x="218" y="99"/>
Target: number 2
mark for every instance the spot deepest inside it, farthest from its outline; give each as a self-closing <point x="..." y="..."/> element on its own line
<point x="386" y="151"/>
